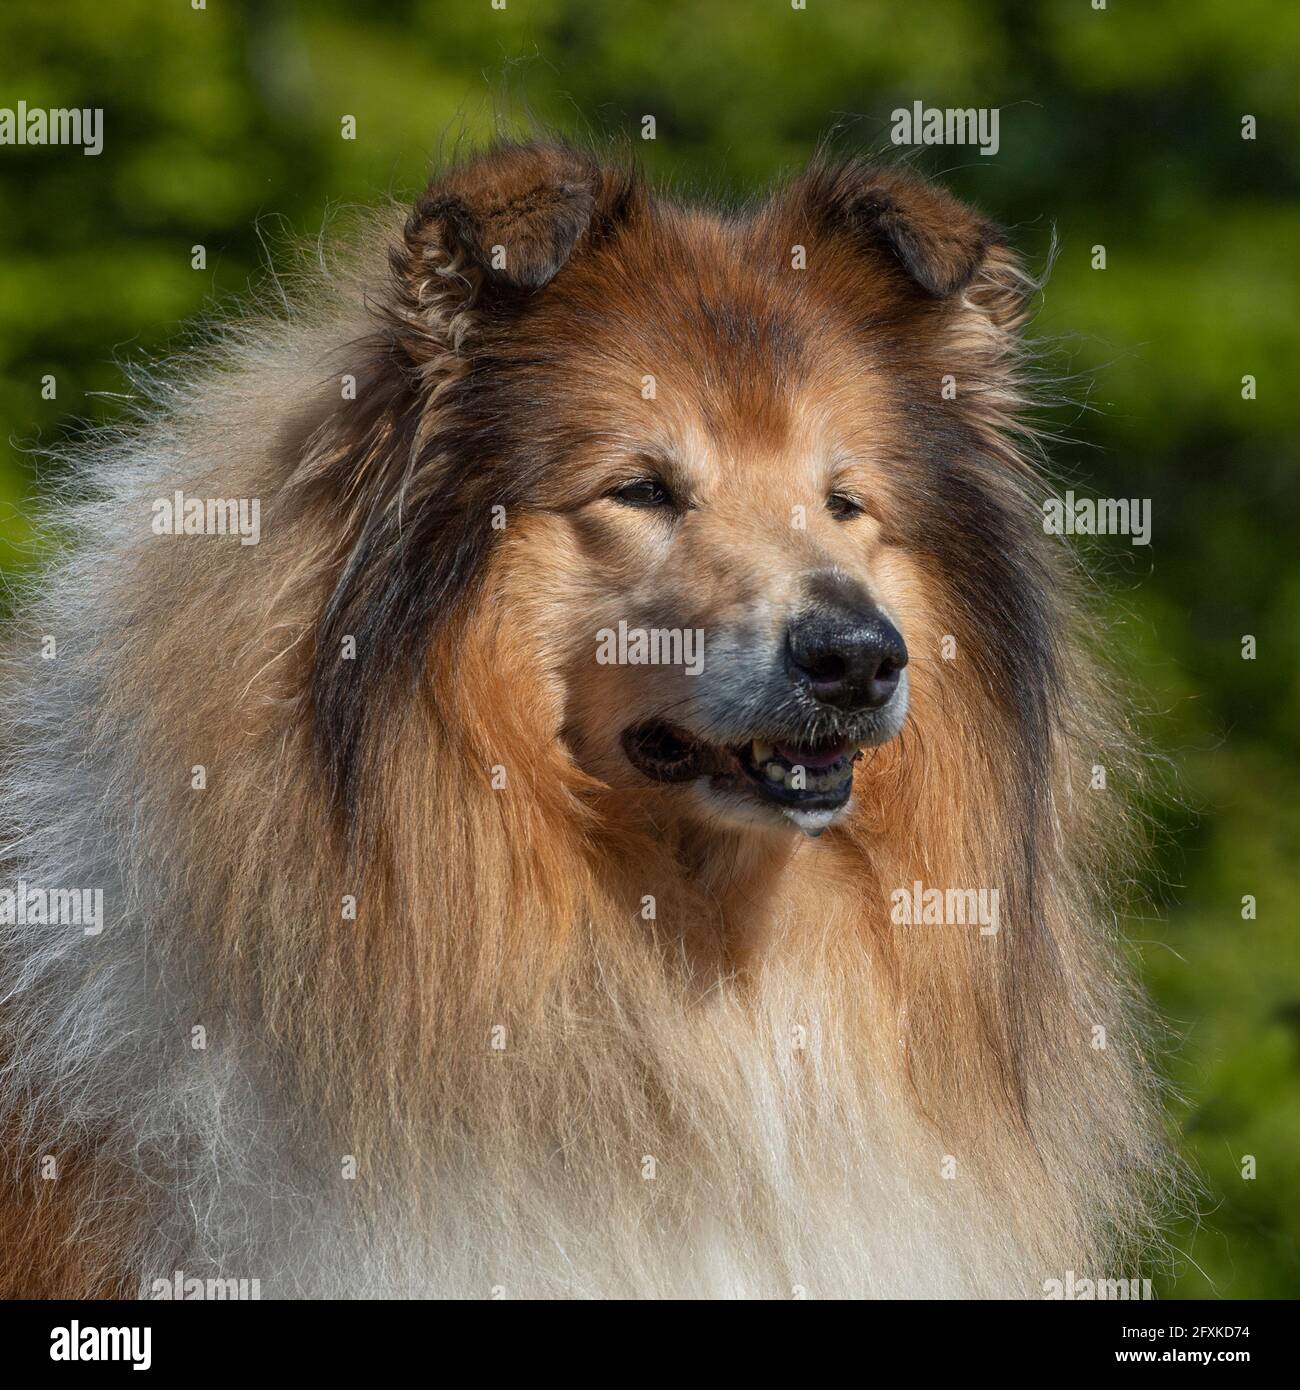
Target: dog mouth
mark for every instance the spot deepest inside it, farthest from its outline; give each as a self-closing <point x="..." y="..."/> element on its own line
<point x="811" y="781"/>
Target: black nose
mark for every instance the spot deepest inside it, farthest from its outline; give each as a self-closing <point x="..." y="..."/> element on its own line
<point x="846" y="657"/>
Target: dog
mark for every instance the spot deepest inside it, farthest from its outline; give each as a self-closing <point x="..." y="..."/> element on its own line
<point x="624" y="822"/>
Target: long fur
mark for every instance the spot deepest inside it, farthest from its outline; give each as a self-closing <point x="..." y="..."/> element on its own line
<point x="500" y="1075"/>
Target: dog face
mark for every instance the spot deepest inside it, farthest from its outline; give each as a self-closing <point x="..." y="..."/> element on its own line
<point x="719" y="550"/>
<point x="727" y="456"/>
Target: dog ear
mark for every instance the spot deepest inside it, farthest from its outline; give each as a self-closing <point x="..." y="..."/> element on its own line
<point x="498" y="228"/>
<point x="936" y="241"/>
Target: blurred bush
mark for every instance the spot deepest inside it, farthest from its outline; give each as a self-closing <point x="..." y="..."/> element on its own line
<point x="1120" y="127"/>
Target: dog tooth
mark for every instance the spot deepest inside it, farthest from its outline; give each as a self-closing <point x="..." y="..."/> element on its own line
<point x="775" y="772"/>
<point x="761" y="752"/>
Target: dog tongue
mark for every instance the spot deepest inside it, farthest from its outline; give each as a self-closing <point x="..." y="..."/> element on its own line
<point x="806" y="757"/>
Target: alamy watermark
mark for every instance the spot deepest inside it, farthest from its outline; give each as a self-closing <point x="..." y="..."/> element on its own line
<point x="1098" y="516"/>
<point x="74" y="1342"/>
<point x="24" y="906"/>
<point x="179" y="515"/>
<point x="919" y="906"/>
<point x="931" y="125"/>
<point x="192" y="1289"/>
<point x="1105" y="1290"/>
<point x="651" y="646"/>
<point x="36" y="125"/>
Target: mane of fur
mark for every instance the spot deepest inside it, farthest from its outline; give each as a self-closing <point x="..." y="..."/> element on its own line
<point x="537" y="1089"/>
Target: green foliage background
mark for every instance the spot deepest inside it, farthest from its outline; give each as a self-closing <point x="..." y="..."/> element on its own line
<point x="1120" y="127"/>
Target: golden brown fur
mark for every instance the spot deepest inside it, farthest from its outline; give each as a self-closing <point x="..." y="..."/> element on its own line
<point x="501" y="1039"/>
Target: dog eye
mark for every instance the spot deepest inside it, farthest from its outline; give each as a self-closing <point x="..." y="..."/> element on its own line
<point x="644" y="492"/>
<point x="843" y="507"/>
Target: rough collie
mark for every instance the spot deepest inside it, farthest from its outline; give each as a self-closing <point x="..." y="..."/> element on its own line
<point x="595" y="773"/>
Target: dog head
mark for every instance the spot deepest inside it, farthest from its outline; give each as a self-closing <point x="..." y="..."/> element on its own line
<point x="746" y="468"/>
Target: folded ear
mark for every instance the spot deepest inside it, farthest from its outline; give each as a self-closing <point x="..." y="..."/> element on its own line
<point x="936" y="241"/>
<point x="500" y="226"/>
